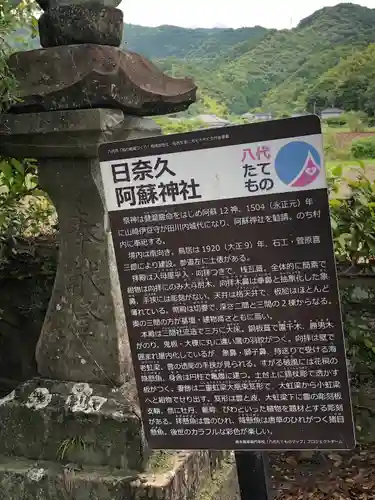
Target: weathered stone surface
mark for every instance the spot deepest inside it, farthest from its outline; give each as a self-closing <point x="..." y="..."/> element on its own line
<point x="84" y="341"/>
<point x="43" y="480"/>
<point x="66" y="134"/>
<point x="94" y="76"/>
<point x="84" y="334"/>
<point x="48" y="4"/>
<point x="72" y="422"/>
<point x="77" y="24"/>
<point x="29" y="480"/>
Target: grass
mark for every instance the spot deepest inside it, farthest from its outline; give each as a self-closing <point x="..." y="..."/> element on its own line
<point x="161" y="460"/>
<point x="338" y="130"/>
<point x="348" y="163"/>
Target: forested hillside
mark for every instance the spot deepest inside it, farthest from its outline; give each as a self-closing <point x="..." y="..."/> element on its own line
<point x="326" y="60"/>
<point x="350" y="84"/>
<point x="321" y="42"/>
<point x="280" y="71"/>
<point x="183" y="43"/>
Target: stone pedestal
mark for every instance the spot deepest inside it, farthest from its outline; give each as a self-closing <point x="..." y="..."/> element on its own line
<point x="84" y="408"/>
<point x="80" y="423"/>
<point x="190" y="476"/>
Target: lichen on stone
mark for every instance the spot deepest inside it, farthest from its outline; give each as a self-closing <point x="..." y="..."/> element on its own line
<point x="8" y="398"/>
<point x="40" y="398"/>
<point x="161" y="461"/>
<point x="36" y="474"/>
<point x="81" y="400"/>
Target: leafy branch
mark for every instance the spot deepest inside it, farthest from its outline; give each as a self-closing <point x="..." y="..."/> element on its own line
<point x="24" y="208"/>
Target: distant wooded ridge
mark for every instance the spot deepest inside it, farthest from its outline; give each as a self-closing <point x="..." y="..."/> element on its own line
<point x="328" y="60"/>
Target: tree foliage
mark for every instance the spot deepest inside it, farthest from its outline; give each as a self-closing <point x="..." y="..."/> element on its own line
<point x="353" y="217"/>
<point x="353" y="222"/>
<point x="24" y="209"/>
<point x="187" y="44"/>
<point x="349" y="85"/>
<point x="280" y="71"/>
<point x="16" y="17"/>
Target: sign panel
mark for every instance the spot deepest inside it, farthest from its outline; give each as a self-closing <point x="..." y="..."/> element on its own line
<point x="226" y="263"/>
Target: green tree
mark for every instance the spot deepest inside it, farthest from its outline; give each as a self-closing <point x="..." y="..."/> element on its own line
<point x="207" y="105"/>
<point x="178" y="126"/>
<point x="14" y="15"/>
<point x="349" y="84"/>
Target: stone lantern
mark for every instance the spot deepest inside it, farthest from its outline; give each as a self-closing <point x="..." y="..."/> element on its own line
<point x="79" y="91"/>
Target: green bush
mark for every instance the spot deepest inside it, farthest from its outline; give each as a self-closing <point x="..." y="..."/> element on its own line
<point x="363" y="148"/>
<point x="356" y="121"/>
<point x="353" y="223"/>
<point x="353" y="216"/>
<point x="179" y="126"/>
<point x="336" y="121"/>
<point x="24" y="209"/>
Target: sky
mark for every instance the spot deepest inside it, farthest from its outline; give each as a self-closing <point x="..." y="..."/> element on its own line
<point x="224" y="13"/>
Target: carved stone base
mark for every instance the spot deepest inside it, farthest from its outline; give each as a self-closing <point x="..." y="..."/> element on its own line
<point x="193" y="476"/>
<point x="96" y="76"/>
<point x="73" y="422"/>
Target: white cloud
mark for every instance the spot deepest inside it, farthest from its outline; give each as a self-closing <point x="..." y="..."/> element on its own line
<point x="209" y="13"/>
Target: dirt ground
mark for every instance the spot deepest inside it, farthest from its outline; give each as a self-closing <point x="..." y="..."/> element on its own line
<point x="325" y="476"/>
<point x="345" y="138"/>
